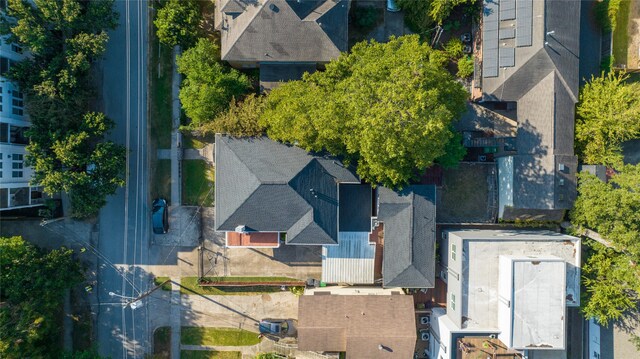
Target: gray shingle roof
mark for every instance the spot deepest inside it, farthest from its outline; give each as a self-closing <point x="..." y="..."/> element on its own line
<point x="284" y="31"/>
<point x="268" y="186"/>
<point x="544" y="82"/>
<point x="272" y="74"/>
<point x="409" y="236"/>
<point x="355" y="208"/>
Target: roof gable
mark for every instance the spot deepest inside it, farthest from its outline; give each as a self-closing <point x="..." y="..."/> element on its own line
<point x="409" y="227"/>
<point x="268" y="186"/>
<point x="276" y="31"/>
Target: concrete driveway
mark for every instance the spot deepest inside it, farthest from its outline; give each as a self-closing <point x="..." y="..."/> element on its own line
<point x="301" y="262"/>
<point x="237" y="311"/>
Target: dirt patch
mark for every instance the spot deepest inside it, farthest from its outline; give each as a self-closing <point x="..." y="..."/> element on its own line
<point x="633" y="29"/>
<point x="467" y="195"/>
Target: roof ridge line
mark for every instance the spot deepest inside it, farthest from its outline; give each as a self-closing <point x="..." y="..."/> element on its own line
<point x="249" y="22"/>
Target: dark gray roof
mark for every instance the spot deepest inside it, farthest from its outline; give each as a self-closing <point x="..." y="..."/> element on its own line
<point x="272" y="74"/>
<point x="284" y="30"/>
<point x="409" y="236"/>
<point x="544" y="82"/>
<point x="268" y="186"/>
<point x="355" y="208"/>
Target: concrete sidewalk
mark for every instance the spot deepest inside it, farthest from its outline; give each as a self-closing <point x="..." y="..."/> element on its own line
<point x="176" y="135"/>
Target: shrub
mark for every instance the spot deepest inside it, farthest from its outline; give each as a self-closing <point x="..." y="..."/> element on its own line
<point x="465" y="66"/>
<point x="454" y="48"/>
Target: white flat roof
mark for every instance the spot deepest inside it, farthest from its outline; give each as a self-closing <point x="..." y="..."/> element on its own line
<point x="538" y="303"/>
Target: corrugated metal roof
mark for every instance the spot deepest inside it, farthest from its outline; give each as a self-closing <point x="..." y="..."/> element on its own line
<point x="351" y="261"/>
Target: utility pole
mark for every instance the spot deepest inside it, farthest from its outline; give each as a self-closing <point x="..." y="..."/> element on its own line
<point x="134" y="301"/>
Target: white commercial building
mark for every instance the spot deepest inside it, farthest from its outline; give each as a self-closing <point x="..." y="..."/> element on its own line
<point x="515" y="286"/>
<point x="16" y="190"/>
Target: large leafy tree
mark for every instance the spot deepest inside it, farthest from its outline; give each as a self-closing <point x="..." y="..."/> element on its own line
<point x="177" y="23"/>
<point x="240" y="119"/>
<point x="608" y="115"/>
<point x="386" y="107"/>
<point x="423" y="15"/>
<point x="611" y="274"/>
<point x="33" y="284"/>
<point x="208" y="86"/>
<point x="66" y="148"/>
<point x="75" y="161"/>
<point x="63" y="37"/>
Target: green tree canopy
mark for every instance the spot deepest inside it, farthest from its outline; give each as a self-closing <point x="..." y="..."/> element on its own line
<point x="208" y="86"/>
<point x="63" y="37"/>
<point x="76" y="162"/>
<point x="66" y="148"/>
<point x="33" y="285"/>
<point x="608" y="115"/>
<point x="612" y="277"/>
<point x="386" y="107"/>
<point x="423" y="15"/>
<point x="177" y="23"/>
<point x="240" y="119"/>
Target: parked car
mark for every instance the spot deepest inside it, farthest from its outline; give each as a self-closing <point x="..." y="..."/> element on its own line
<point x="160" y="216"/>
<point x="277" y="327"/>
<point x="392" y="6"/>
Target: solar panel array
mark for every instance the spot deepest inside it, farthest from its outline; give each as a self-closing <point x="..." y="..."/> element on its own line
<point x="524" y="9"/>
<point x="507" y="33"/>
<point x="507" y="9"/>
<point x="507" y="57"/>
<point x="494" y="54"/>
<point x="490" y="39"/>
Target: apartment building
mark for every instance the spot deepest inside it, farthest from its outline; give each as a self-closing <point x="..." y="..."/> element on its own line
<point x="16" y="191"/>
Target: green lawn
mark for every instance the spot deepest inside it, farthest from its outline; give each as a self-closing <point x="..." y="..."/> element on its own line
<point x="197" y="183"/>
<point x="188" y="141"/>
<point x="218" y="336"/>
<point x="205" y="354"/>
<point x="160" y="280"/>
<point x="160" y="72"/>
<point x="161" y="179"/>
<point x="162" y="342"/>
<point x="621" y="34"/>
<point x="189" y="285"/>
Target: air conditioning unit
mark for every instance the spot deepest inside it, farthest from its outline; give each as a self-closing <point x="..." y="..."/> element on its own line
<point x="561" y="167"/>
<point x="443" y="234"/>
<point x="482" y="158"/>
<point x="493" y="336"/>
<point x="425" y="336"/>
<point x="443" y="274"/>
<point x="561" y="182"/>
<point x="425" y="320"/>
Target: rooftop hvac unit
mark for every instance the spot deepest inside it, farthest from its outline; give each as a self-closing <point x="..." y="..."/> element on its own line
<point x="425" y="336"/>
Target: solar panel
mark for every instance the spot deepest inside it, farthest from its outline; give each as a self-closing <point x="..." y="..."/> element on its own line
<point x="507" y="57"/>
<point x="490" y="39"/>
<point x="507" y="9"/>
<point x="524" y="22"/>
<point x="507" y="33"/>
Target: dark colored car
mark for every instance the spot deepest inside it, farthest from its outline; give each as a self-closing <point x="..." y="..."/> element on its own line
<point x="160" y="216"/>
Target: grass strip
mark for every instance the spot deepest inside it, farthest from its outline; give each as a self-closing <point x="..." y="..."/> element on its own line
<point x="217" y="336"/>
<point x="189" y="285"/>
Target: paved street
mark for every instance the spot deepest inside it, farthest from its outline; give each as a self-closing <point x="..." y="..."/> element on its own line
<point x="124" y="222"/>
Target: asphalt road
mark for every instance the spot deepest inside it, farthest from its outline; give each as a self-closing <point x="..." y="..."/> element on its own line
<point x="124" y="223"/>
